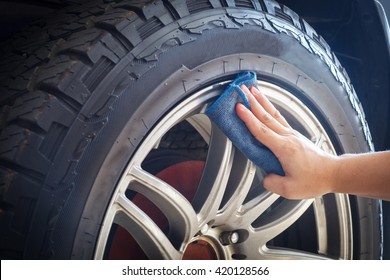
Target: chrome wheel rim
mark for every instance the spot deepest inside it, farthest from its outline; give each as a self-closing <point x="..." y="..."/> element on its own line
<point x="223" y="214"/>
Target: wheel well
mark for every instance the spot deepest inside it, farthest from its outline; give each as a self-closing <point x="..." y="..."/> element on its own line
<point x="355" y="33"/>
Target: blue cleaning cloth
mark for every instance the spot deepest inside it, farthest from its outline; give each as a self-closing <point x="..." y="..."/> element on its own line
<point x="223" y="113"/>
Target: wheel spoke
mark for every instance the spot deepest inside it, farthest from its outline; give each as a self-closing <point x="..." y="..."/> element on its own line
<point x="257" y="206"/>
<point x="269" y="226"/>
<point x="183" y="222"/>
<point x="148" y="235"/>
<point x="319" y="216"/>
<point x="238" y="187"/>
<point x="278" y="220"/>
<point x="263" y="252"/>
<point x="214" y="178"/>
<point x="288" y="254"/>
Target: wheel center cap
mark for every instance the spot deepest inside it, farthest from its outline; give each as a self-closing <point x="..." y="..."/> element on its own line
<point x="202" y="248"/>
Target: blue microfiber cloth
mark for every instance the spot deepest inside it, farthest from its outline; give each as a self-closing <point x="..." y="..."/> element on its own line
<point x="223" y="113"/>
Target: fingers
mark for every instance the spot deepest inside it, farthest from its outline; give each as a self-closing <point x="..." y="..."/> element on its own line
<point x="261" y="114"/>
<point x="259" y="130"/>
<point x="281" y="186"/>
<point x="272" y="180"/>
<point x="268" y="106"/>
<point x="265" y="112"/>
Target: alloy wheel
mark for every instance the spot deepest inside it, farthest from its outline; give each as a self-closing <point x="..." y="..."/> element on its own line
<point x="228" y="215"/>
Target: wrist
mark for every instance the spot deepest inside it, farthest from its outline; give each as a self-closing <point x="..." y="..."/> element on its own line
<point x="333" y="166"/>
<point x="341" y="171"/>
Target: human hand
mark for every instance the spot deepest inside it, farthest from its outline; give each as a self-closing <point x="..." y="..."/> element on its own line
<point x="309" y="171"/>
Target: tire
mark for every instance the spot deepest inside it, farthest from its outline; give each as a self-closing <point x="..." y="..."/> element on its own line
<point x="88" y="110"/>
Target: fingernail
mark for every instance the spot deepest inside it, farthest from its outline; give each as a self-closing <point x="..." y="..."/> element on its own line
<point x="255" y="91"/>
<point x="244" y="88"/>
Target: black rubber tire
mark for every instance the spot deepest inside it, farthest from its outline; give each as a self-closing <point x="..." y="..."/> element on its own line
<point x="80" y="96"/>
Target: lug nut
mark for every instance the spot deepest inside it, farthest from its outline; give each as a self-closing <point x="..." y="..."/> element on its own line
<point x="230" y="237"/>
<point x="234" y="237"/>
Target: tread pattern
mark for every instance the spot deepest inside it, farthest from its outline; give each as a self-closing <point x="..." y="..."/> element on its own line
<point x="52" y="75"/>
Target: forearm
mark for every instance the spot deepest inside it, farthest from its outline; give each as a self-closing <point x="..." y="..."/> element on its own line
<point x="365" y="175"/>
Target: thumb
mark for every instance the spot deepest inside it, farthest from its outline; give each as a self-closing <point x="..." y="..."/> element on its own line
<point x="276" y="184"/>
